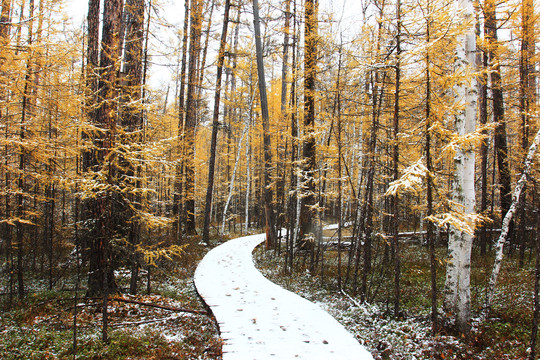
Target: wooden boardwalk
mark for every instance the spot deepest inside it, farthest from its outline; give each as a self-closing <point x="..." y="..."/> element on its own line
<point x="258" y="319"/>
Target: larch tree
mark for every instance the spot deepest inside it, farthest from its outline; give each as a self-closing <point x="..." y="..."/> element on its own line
<point x="132" y="128"/>
<point x="190" y="120"/>
<point x="395" y="163"/>
<point x="215" y="124"/>
<point x="178" y="199"/>
<point x="267" y="191"/>
<point x="100" y="275"/>
<point x="308" y="199"/>
<point x="500" y="140"/>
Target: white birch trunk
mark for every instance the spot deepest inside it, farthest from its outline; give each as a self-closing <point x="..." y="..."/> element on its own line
<point x="298" y="194"/>
<point x="233" y="176"/>
<point x="457" y="287"/>
<point x="248" y="183"/>
<point x="499" y="250"/>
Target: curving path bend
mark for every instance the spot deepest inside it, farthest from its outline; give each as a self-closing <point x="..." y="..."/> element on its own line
<point x="258" y="319"/>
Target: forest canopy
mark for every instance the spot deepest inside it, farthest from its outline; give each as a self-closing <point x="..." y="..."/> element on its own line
<point x="154" y="126"/>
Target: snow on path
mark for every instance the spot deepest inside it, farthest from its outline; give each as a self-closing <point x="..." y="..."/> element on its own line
<point x="258" y="319"/>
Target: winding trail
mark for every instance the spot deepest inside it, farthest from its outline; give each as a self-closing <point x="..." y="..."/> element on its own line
<point x="258" y="319"/>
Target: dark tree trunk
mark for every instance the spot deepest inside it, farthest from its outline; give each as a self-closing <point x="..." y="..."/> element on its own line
<point x="7" y="229"/>
<point x="395" y="167"/>
<point x="191" y="115"/>
<point x="307" y="213"/>
<point x="215" y="124"/>
<point x="500" y="143"/>
<point x="527" y="96"/>
<point x="20" y="228"/>
<point x="178" y="208"/>
<point x="430" y="236"/>
<point x="483" y="117"/>
<point x="132" y="123"/>
<point x="267" y="191"/>
<point x="100" y="276"/>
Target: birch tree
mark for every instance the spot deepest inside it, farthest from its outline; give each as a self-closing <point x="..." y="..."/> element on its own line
<point x="457" y="286"/>
<point x="501" y="241"/>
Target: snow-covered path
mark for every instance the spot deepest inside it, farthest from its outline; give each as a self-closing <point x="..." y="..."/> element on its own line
<point x="260" y="320"/>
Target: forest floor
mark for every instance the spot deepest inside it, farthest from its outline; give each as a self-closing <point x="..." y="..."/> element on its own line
<point x="505" y="335"/>
<point x="42" y="326"/>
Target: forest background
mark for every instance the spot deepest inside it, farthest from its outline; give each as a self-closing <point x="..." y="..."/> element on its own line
<point x="159" y="128"/>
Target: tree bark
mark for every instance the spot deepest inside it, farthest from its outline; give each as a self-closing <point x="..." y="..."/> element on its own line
<point x="395" y="166"/>
<point x="536" y="297"/>
<point x="132" y="122"/>
<point x="100" y="275"/>
<point x="457" y="296"/>
<point x="501" y="146"/>
<point x="505" y="228"/>
<point x="307" y="212"/>
<point x="430" y="236"/>
<point x="268" y="208"/>
<point x="215" y="124"/>
<point x="191" y="115"/>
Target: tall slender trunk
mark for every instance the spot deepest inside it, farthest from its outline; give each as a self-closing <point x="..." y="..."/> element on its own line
<point x="215" y="124"/>
<point x="293" y="195"/>
<point x="536" y="295"/>
<point x="430" y="236"/>
<point x="395" y="166"/>
<point x="505" y="228"/>
<point x="21" y="182"/>
<point x="500" y="143"/>
<point x="5" y="31"/>
<point x="268" y="208"/>
<point x="178" y="212"/>
<point x="307" y="214"/>
<point x="527" y="97"/>
<point x="340" y="191"/>
<point x="483" y="118"/>
<point x="191" y="115"/>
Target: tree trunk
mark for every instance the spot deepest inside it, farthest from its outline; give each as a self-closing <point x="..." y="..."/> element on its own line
<point x="505" y="228"/>
<point x="307" y="212"/>
<point x="268" y="208"/>
<point x="395" y="167"/>
<point x="527" y="96"/>
<point x="178" y="208"/>
<point x="21" y="182"/>
<point x="132" y="122"/>
<point x="430" y="236"/>
<point x="191" y="115"/>
<point x="536" y="298"/>
<point x="100" y="275"/>
<point x="501" y="146"/>
<point x="340" y="194"/>
<point x="215" y="124"/>
<point x="5" y="30"/>
<point x="457" y="296"/>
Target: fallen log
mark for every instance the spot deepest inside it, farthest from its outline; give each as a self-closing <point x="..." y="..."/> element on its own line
<point x="164" y="307"/>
